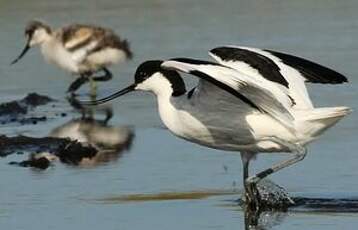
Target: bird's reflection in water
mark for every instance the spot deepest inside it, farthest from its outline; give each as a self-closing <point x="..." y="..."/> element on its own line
<point x="110" y="141"/>
<point x="263" y="220"/>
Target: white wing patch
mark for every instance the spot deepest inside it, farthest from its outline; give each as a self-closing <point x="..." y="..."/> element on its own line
<point x="251" y="88"/>
<point x="80" y="54"/>
<point x="296" y="80"/>
<point x="280" y="91"/>
<point x="297" y="89"/>
<point x="238" y="65"/>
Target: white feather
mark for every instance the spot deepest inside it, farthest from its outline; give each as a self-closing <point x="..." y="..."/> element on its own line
<point x="107" y="56"/>
<point x="55" y="53"/>
<point x="241" y="83"/>
<point x="297" y="89"/>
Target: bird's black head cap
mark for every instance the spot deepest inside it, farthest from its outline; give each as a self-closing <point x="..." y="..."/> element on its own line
<point x="148" y="68"/>
<point x="32" y="26"/>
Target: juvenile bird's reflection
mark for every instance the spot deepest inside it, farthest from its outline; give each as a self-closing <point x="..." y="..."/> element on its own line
<point x="85" y="141"/>
<point x="109" y="141"/>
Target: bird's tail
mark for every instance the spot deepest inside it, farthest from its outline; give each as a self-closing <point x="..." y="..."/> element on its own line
<point x="126" y="49"/>
<point x="314" y="122"/>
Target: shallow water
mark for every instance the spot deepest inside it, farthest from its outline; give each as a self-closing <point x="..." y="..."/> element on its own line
<point x="65" y="197"/>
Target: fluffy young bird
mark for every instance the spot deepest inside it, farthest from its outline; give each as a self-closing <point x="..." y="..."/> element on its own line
<point x="79" y="49"/>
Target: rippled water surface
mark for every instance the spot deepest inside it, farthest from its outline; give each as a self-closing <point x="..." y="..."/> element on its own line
<point x="163" y="182"/>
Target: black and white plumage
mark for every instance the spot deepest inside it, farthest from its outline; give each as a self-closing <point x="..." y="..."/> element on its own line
<point x="280" y="70"/>
<point x="79" y="49"/>
<point x="242" y="103"/>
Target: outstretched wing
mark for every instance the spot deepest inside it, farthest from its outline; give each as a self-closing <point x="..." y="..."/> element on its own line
<point x="310" y="71"/>
<point x="289" y="72"/>
<point x="246" y="88"/>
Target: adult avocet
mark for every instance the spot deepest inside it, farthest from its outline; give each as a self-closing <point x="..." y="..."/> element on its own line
<point x="79" y="49"/>
<point x="252" y="101"/>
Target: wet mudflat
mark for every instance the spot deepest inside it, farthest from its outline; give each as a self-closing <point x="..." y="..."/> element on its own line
<point x="161" y="181"/>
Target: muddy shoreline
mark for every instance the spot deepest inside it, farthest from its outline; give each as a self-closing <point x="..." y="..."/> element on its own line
<point x="23" y="111"/>
<point x="62" y="144"/>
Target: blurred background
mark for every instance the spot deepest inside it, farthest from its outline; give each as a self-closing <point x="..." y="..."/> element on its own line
<point x="324" y="31"/>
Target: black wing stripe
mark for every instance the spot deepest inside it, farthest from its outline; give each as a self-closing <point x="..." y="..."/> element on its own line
<point x="313" y="72"/>
<point x="80" y="45"/>
<point x="190" y="93"/>
<point x="221" y="85"/>
<point x="195" y="61"/>
<point x="265" y="66"/>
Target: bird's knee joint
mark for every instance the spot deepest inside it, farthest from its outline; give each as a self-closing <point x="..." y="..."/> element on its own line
<point x="252" y="180"/>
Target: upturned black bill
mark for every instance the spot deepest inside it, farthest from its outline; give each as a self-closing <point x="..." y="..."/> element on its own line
<point x="110" y="97"/>
<point x="24" y="51"/>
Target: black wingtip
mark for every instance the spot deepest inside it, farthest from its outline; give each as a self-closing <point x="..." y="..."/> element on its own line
<point x="313" y="72"/>
<point x="221" y="52"/>
<point x="225" y="53"/>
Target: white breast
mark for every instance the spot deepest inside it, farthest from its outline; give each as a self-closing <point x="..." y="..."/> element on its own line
<point x="182" y="123"/>
<point x="55" y="53"/>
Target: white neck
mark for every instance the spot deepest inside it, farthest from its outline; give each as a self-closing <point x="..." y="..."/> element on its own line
<point x="171" y="116"/>
<point x="168" y="113"/>
<point x="175" y="112"/>
<point x="162" y="88"/>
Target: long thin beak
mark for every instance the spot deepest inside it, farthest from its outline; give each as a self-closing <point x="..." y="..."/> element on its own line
<point x="110" y="97"/>
<point x="24" y="51"/>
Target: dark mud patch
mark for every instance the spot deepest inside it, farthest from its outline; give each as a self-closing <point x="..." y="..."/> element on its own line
<point x="19" y="111"/>
<point x="46" y="149"/>
<point x="10" y="145"/>
<point x="12" y="108"/>
<point x="34" y="99"/>
<point x="39" y="163"/>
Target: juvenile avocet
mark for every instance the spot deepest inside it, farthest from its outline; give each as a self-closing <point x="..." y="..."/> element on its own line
<point x="252" y="101"/>
<point x="79" y="49"/>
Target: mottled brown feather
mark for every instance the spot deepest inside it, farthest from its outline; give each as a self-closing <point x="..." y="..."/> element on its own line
<point x="76" y="36"/>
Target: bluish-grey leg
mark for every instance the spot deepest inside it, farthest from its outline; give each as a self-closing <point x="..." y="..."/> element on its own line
<point x="251" y="195"/>
<point x="299" y="154"/>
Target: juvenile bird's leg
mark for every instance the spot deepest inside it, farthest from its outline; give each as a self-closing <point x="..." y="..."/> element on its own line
<point x="75" y="85"/>
<point x="93" y="89"/>
<point x="106" y="77"/>
<point x="299" y="154"/>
